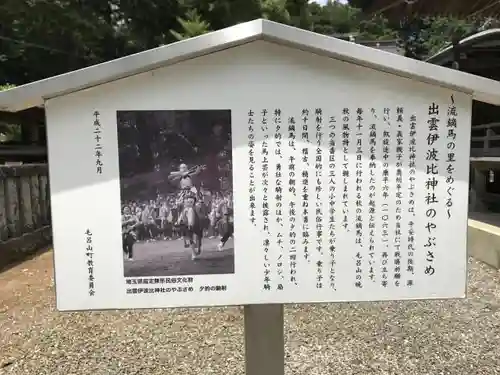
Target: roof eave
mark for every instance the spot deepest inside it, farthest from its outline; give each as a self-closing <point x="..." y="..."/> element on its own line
<point x="481" y="89"/>
<point x="445" y="55"/>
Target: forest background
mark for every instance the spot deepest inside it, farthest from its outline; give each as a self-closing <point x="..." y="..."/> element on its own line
<point x="43" y="38"/>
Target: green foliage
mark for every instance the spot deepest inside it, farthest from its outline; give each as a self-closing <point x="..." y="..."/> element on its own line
<point x="442" y="29"/>
<point x="376" y="28"/>
<point x="9" y="132"/>
<point x="413" y="35"/>
<point x="275" y="10"/>
<point x="40" y="38"/>
<point x="421" y="38"/>
<point x="361" y="4"/>
<point x="6" y="87"/>
<point x="192" y="26"/>
<point x="336" y="18"/>
<point x="300" y="14"/>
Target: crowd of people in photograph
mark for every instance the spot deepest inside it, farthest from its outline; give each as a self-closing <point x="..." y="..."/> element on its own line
<point x="158" y="219"/>
<point x="161" y="219"/>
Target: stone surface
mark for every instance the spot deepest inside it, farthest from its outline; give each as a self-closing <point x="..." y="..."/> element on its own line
<point x="427" y="337"/>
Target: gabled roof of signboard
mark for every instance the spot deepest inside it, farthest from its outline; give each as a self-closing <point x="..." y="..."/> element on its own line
<point x="34" y="94"/>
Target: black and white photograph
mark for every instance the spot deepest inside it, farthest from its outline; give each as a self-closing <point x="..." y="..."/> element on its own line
<point x="176" y="189"/>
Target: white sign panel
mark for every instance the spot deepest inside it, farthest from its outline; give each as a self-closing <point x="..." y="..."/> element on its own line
<point x="347" y="195"/>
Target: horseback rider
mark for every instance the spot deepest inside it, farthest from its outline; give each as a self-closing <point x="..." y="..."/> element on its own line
<point x="185" y="177"/>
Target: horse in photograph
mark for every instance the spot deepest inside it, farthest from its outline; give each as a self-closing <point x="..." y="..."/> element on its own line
<point x="187" y="189"/>
<point x="165" y="221"/>
<point x="193" y="219"/>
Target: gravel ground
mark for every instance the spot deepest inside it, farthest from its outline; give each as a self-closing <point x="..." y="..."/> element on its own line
<point x="438" y="337"/>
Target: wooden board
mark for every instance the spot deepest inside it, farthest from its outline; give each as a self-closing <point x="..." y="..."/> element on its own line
<point x="25" y="203"/>
<point x="12" y="207"/>
<point x="35" y="201"/>
<point x="44" y="204"/>
<point x="4" y="232"/>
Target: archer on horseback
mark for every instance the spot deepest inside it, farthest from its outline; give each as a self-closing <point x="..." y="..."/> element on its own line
<point x="185" y="177"/>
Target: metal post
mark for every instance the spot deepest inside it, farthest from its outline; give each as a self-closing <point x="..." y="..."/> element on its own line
<point x="264" y="340"/>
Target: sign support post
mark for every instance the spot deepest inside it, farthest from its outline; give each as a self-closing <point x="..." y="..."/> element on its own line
<point x="264" y="340"/>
